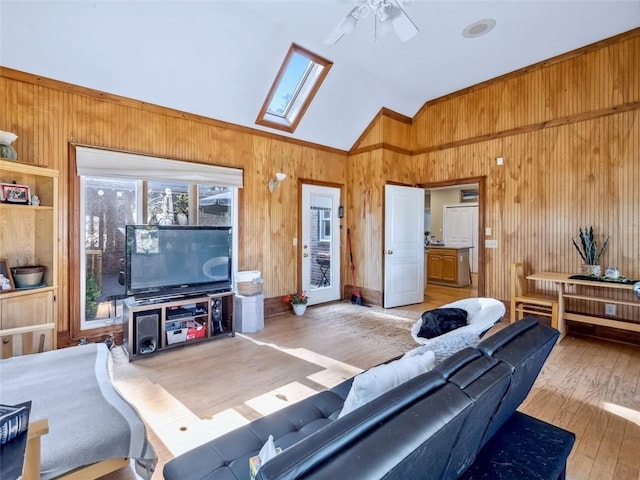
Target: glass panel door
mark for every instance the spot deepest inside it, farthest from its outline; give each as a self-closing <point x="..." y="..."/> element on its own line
<point x="320" y="243"/>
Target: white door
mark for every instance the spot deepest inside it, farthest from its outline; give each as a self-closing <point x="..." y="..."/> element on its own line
<point x="320" y="243"/>
<point x="460" y="225"/>
<point x="403" y="246"/>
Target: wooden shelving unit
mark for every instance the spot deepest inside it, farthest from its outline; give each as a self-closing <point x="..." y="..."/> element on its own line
<point x="29" y="236"/>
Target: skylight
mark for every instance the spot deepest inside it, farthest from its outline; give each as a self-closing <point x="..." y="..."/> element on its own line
<point x="297" y="82"/>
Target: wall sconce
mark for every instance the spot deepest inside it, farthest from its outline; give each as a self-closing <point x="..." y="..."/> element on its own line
<point x="276" y="180"/>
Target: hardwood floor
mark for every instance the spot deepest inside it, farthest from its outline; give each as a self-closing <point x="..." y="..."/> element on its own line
<point x="190" y="395"/>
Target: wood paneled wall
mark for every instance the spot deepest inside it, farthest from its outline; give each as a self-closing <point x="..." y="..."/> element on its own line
<point x="583" y="84"/>
<point x="387" y="130"/>
<point x="552" y="182"/>
<point x="569" y="132"/>
<point x="47" y="115"/>
<point x="368" y="173"/>
<point x="568" y="129"/>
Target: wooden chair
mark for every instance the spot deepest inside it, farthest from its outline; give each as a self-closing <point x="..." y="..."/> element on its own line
<point x="524" y="302"/>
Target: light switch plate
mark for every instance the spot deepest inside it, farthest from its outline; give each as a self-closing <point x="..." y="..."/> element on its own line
<point x="491" y="244"/>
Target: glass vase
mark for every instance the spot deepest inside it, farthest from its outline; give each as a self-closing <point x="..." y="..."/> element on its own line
<point x="593" y="270"/>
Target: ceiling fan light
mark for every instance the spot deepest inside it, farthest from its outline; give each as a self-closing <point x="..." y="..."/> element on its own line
<point x="345" y="27"/>
<point x="388" y="15"/>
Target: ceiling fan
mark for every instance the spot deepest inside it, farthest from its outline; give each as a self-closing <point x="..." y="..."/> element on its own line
<point x="389" y="16"/>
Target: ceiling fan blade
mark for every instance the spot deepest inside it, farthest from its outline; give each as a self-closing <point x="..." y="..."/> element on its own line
<point x="402" y="24"/>
<point x="345" y="27"/>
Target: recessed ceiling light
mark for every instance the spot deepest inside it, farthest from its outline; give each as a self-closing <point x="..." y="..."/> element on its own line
<point x="479" y="28"/>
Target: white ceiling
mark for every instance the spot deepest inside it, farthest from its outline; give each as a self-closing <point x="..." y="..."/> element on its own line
<point x="219" y="58"/>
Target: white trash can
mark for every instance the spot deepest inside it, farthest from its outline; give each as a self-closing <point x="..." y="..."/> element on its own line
<point x="248" y="313"/>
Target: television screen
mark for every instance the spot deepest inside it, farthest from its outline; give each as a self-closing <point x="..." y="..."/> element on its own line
<point x="172" y="259"/>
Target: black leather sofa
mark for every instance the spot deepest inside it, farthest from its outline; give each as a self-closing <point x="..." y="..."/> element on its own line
<point x="458" y="420"/>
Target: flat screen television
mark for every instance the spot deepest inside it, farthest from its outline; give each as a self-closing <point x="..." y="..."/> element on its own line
<point x="172" y="260"/>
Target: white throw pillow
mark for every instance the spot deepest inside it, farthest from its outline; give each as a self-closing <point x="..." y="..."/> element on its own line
<point x="378" y="380"/>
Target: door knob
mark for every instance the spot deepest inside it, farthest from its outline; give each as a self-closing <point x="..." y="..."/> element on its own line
<point x="390" y="252"/>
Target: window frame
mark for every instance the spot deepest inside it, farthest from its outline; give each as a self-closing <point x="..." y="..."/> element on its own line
<point x="72" y="331"/>
<point x="142" y="217"/>
<point x="308" y="88"/>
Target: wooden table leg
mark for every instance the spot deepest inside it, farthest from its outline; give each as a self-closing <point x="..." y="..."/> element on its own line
<point x="562" y="327"/>
<point x="31" y="470"/>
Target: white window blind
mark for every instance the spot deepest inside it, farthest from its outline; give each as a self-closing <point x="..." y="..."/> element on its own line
<point x="106" y="163"/>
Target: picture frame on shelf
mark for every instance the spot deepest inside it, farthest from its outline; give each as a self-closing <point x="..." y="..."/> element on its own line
<point x="6" y="279"/>
<point x="17" y="194"/>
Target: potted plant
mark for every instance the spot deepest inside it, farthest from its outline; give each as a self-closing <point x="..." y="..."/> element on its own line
<point x="298" y="301"/>
<point x="92" y="292"/>
<point x="589" y="250"/>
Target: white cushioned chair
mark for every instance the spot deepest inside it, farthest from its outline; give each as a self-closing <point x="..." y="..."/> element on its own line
<point x="483" y="313"/>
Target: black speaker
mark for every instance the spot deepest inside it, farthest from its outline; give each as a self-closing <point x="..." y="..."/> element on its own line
<point x="147" y="333"/>
<point x="216" y="315"/>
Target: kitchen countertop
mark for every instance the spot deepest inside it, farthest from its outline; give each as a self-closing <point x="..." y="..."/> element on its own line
<point x="444" y="246"/>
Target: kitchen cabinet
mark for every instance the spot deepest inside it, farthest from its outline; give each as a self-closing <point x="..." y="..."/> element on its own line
<point x="448" y="266"/>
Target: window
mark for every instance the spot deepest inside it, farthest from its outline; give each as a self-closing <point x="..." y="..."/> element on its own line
<point x="120" y="188"/>
<point x="298" y="80"/>
<point x="108" y="205"/>
<point x="325" y="225"/>
<point x="167" y="203"/>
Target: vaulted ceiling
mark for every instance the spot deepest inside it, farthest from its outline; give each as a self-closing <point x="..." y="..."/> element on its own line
<point x="219" y="58"/>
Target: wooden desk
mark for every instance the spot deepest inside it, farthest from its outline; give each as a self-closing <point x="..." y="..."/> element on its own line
<point x="562" y="281"/>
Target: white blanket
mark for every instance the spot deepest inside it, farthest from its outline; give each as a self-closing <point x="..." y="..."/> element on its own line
<point x="88" y="420"/>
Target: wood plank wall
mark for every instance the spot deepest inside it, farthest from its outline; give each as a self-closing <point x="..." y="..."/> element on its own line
<point x="568" y="89"/>
<point x="568" y="128"/>
<point x="387" y="129"/>
<point x="47" y="115"/>
<point x="569" y="132"/>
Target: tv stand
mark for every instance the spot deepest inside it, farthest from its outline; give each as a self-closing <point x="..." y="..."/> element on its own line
<point x="160" y="323"/>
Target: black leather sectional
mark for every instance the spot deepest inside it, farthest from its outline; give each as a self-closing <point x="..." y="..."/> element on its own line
<point x="458" y="420"/>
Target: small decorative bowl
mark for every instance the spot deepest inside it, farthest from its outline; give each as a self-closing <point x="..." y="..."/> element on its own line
<point x="28" y="276"/>
<point x="7" y="138"/>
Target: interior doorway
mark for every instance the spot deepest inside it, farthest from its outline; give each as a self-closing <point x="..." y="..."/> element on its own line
<point x="466" y="192"/>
